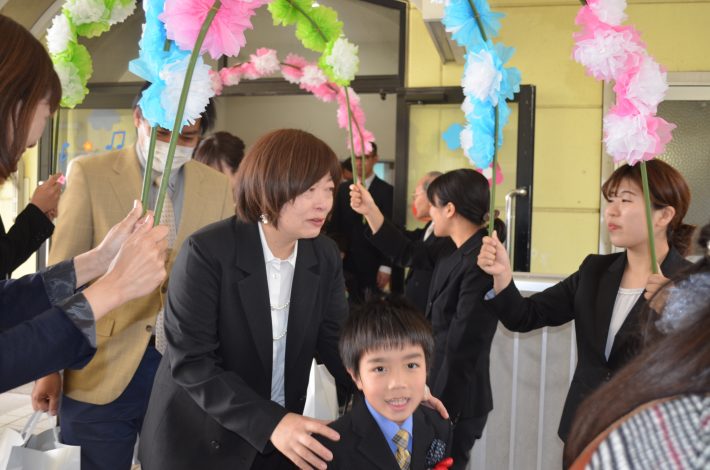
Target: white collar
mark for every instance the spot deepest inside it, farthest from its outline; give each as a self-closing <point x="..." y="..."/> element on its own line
<point x="269" y="256"/>
<point x="369" y="180"/>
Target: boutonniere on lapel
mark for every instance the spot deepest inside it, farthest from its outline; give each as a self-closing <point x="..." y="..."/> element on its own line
<point x="435" y="456"/>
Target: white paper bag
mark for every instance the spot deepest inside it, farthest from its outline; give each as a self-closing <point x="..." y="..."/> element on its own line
<point x="25" y="451"/>
<point x="321" y="396"/>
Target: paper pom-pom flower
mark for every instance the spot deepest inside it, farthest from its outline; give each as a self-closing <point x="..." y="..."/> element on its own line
<point x="341" y="61"/>
<point x="265" y="61"/>
<point x="630" y="139"/>
<point x="362" y="138"/>
<point x="313" y="76"/>
<point x="184" y="18"/>
<point x="609" y="11"/>
<point x="481" y="77"/>
<point x="121" y="10"/>
<point x="60" y="34"/>
<point x="641" y="88"/>
<point x="605" y="52"/>
<point x="73" y="89"/>
<point x="459" y="20"/>
<point x="292" y="68"/>
<point x="198" y="96"/>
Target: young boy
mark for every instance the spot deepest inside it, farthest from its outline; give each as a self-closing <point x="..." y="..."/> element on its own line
<point x="386" y="346"/>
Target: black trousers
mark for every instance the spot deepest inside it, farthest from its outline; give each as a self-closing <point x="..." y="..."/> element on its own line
<point x="466" y="432"/>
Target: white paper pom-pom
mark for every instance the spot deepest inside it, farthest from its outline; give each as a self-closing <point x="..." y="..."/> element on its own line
<point x="648" y="87"/>
<point x="481" y="78"/>
<point x="121" y="10"/>
<point x="313" y="76"/>
<point x="59" y="35"/>
<point x="72" y="88"/>
<point x="266" y="64"/>
<point x="466" y="140"/>
<point x="86" y="11"/>
<point x="606" y="54"/>
<point x="609" y="11"/>
<point x="173" y="74"/>
<point x="344" y="60"/>
<point x="627" y="138"/>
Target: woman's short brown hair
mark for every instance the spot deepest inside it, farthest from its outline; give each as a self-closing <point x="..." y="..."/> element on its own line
<point x="668" y="189"/>
<point x="278" y="167"/>
<point x="26" y="78"/>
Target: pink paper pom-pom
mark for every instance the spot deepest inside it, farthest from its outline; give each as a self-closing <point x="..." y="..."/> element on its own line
<point x="230" y="75"/>
<point x="641" y="87"/>
<point x="292" y="68"/>
<point x="183" y="20"/>
<point x="632" y="138"/>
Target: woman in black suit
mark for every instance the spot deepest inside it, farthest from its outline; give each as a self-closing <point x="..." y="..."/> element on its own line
<point x="604" y="296"/>
<point x="463" y="328"/>
<point x="252" y="300"/>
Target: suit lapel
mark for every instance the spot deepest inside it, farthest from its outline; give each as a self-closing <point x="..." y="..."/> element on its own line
<point x="606" y="296"/>
<point x="371" y="443"/>
<point x="422" y="435"/>
<point x="304" y="292"/>
<point x="126" y="179"/>
<point x="254" y="291"/>
<point x="442" y="273"/>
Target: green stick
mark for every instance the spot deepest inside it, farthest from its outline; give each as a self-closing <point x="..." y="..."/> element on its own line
<point x="55" y="144"/>
<point x="148" y="174"/>
<point x="177" y="127"/>
<point x="352" y="141"/>
<point x="494" y="165"/>
<point x="649" y="222"/>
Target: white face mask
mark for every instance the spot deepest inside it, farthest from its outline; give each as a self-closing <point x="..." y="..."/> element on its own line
<point x="182" y="154"/>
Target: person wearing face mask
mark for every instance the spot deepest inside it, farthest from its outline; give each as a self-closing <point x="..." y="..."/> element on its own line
<point x="102" y="406"/>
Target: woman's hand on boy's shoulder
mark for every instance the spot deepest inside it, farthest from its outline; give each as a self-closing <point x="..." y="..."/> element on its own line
<point x="434" y="403"/>
<point x="294" y="437"/>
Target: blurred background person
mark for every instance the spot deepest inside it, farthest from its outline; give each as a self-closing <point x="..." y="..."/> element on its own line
<point x="346" y="169"/>
<point x="655" y="412"/>
<point x="367" y="271"/>
<point x="418" y="249"/>
<point x="223" y="152"/>
<point x="31" y="228"/>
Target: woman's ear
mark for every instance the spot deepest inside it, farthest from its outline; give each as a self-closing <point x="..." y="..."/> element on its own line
<point x="665" y="216"/>
<point x="450" y="210"/>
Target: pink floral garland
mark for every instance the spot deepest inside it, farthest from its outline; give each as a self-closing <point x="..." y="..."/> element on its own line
<point x="309" y="77"/>
<point x="611" y="52"/>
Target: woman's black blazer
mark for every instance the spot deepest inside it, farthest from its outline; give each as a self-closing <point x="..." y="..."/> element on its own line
<point x="210" y="406"/>
<point x="587" y="297"/>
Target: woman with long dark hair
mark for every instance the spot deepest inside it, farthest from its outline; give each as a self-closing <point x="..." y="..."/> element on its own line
<point x="46" y="323"/>
<point x="604" y="296"/>
<point x="663" y="394"/>
<point x="463" y="328"/>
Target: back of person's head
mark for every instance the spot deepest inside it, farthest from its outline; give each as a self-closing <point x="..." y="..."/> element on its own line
<point x="346" y="165"/>
<point x="674" y="360"/>
<point x="469" y="192"/>
<point x="220" y="147"/>
<point x="207" y="117"/>
<point x="668" y="188"/>
<point x="26" y="78"/>
<point x="428" y="178"/>
<point x="278" y="167"/>
<point x="383" y="324"/>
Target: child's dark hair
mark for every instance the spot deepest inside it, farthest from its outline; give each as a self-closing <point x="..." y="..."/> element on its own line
<point x="391" y="323"/>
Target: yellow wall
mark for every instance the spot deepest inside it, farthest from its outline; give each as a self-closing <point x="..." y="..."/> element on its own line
<point x="568" y="148"/>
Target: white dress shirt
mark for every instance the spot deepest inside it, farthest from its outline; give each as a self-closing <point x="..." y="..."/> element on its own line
<point x="279" y="277"/>
<point x="625" y="300"/>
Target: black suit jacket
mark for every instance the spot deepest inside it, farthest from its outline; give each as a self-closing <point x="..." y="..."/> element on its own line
<point x="407" y="248"/>
<point x="362" y="260"/>
<point x="363" y="446"/>
<point x="31" y="228"/>
<point x="463" y="333"/>
<point x="587" y="297"/>
<point x="210" y="406"/>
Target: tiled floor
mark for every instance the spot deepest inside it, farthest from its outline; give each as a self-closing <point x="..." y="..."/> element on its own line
<point x="16" y="409"/>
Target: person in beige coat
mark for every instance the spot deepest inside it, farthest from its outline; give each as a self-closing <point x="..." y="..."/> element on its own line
<point x="103" y="405"/>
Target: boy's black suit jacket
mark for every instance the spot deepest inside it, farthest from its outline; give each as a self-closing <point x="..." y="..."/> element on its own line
<point x="363" y="446"/>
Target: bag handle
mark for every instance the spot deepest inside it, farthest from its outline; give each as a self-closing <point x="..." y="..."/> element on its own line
<point x="29" y="428"/>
